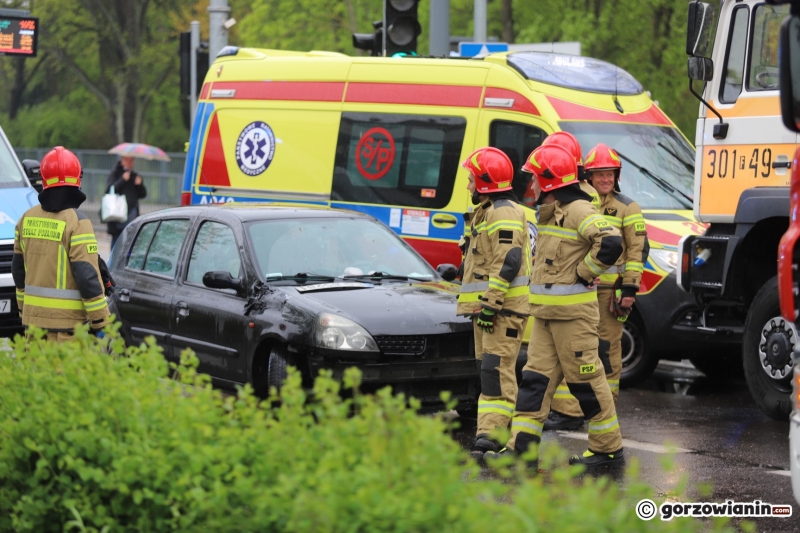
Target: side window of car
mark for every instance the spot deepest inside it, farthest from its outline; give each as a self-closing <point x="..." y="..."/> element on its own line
<point x="162" y="257"/>
<point x="516" y="140"/>
<point x="214" y="249"/>
<point x="139" y="249"/>
<point x="733" y="73"/>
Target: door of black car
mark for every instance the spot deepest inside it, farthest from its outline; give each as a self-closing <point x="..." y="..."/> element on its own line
<point x="147" y="282"/>
<point x="211" y="321"/>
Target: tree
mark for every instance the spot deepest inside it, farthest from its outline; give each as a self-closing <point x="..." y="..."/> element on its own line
<point x="122" y="52"/>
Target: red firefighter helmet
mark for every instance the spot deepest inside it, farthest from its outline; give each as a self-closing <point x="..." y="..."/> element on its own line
<point x="60" y="168"/>
<point x="568" y="142"/>
<point x="554" y="167"/>
<point x="492" y="169"/>
<point x="601" y="157"/>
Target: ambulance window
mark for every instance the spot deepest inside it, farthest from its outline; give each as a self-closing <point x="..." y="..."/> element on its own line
<point x="409" y="160"/>
<point x="734" y="57"/>
<point x="517" y="141"/>
<point x="763" y="70"/>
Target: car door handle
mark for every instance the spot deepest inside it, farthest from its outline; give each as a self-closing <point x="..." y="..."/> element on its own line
<point x="782" y="164"/>
<point x="443" y="220"/>
<point x="124" y="295"/>
<point x="183" y="309"/>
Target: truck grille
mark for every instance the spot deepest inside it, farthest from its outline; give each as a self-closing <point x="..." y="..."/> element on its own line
<point x="427" y="346"/>
<point x="6" y="253"/>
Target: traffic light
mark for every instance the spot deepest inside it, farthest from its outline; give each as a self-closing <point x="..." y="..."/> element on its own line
<point x="396" y="33"/>
<point x="402" y="26"/>
<point x="186" y="64"/>
<point x="371" y="42"/>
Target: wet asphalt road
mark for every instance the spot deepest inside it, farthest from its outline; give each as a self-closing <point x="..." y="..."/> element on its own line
<point x="725" y="440"/>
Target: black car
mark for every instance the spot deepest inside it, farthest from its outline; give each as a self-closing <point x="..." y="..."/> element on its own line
<point x="252" y="289"/>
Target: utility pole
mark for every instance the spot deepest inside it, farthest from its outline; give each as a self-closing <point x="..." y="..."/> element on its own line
<point x="440" y="28"/>
<point x="480" y="21"/>
<point x="217" y="29"/>
<point x="194" y="45"/>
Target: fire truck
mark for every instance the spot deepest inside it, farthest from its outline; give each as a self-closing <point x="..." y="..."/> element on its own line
<point x="742" y="174"/>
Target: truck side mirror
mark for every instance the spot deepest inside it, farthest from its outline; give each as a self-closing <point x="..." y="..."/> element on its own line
<point x="789" y="73"/>
<point x="31" y="167"/>
<point x="701" y="69"/>
<point x="698" y="31"/>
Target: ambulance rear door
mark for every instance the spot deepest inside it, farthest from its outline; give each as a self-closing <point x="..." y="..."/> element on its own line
<point x="401" y="140"/>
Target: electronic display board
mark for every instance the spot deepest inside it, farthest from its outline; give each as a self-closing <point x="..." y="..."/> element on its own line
<point x="18" y="35"/>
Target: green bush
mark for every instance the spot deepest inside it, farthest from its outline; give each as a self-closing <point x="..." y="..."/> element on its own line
<point x="97" y="442"/>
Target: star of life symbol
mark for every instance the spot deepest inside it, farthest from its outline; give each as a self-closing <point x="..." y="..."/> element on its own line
<point x="255" y="148"/>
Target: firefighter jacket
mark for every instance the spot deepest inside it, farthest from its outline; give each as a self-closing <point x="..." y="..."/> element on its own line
<point x="591" y="191"/>
<point x="575" y="243"/>
<point x="625" y="215"/>
<point x="497" y="264"/>
<point x="55" y="270"/>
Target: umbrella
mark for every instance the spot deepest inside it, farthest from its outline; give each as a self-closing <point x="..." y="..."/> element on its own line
<point x="142" y="151"/>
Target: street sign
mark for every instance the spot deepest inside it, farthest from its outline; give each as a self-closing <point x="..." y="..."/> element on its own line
<point x="480" y="49"/>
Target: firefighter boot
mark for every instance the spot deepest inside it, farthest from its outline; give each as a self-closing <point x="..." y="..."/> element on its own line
<point x="592" y="459"/>
<point x="560" y="421"/>
<point x="483" y="444"/>
<point x="490" y="457"/>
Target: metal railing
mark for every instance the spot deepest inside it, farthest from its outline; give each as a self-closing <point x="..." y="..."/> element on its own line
<point x="163" y="180"/>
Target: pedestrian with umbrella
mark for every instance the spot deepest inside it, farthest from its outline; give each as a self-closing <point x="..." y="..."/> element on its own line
<point x="127" y="182"/>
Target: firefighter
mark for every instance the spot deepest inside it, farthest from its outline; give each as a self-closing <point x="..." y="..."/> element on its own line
<point x="575" y="246"/>
<point x="494" y="290"/>
<point x="55" y="263"/>
<point x="618" y="285"/>
<point x="568" y="142"/>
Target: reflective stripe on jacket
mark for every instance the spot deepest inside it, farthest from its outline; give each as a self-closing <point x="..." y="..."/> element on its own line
<point x="497" y="264"/>
<point x="574" y="241"/>
<point x="55" y="271"/>
<point x="625" y="215"/>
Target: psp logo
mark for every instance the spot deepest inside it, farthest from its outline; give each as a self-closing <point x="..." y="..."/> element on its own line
<point x="255" y="148"/>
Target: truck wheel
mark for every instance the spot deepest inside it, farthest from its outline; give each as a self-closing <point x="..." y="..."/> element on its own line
<point x="767" y="353"/>
<point x="637" y="361"/>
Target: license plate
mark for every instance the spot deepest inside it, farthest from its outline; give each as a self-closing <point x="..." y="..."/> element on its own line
<point x="5" y="306"/>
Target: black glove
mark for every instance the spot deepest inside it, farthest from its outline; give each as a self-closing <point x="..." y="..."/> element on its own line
<point x="588" y="284"/>
<point x="108" y="281"/>
<point x="486" y="321"/>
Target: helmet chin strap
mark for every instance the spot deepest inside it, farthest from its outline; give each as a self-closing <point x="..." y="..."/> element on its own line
<point x="476" y="198"/>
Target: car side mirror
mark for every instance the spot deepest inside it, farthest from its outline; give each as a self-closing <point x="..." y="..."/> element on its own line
<point x="448" y="271"/>
<point x="789" y="72"/>
<point x="222" y="279"/>
<point x="31" y="167"/>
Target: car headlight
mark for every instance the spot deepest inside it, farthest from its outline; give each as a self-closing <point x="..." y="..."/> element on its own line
<point x="335" y="332"/>
<point x="665" y="259"/>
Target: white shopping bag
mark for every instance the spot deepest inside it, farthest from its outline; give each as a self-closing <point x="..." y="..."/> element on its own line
<point x="114" y="208"/>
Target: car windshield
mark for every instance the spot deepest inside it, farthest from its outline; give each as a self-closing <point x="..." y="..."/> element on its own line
<point x="10" y="173"/>
<point x="333" y="247"/>
<point x="658" y="163"/>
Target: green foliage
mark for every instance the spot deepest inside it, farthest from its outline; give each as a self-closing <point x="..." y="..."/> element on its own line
<point x="96" y="442"/>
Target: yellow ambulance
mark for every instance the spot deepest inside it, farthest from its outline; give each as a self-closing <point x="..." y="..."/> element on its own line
<point x="385" y="136"/>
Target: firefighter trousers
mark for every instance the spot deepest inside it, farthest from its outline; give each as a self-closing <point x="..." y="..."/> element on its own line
<point x="497" y="358"/>
<point x="610" y="350"/>
<point x="564" y="349"/>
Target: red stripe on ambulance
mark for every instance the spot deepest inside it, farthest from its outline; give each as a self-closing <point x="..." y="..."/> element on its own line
<point x="214" y="170"/>
<point x="413" y="94"/>
<point x="569" y="111"/>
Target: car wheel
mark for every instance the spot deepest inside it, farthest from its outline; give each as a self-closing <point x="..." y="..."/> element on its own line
<point x="767" y="353"/>
<point x="279" y="361"/>
<point x="638" y="362"/>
